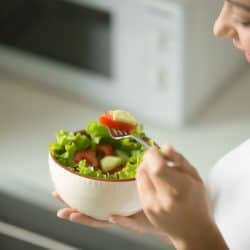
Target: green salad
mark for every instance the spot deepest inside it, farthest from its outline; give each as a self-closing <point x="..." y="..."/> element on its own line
<point x="92" y="152"/>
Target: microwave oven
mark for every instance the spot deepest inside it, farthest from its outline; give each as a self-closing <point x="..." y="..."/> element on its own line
<point x="155" y="58"/>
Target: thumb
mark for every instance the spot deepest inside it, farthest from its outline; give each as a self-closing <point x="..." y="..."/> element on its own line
<point x="182" y="163"/>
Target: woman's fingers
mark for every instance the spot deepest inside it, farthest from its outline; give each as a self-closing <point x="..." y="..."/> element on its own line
<point x="88" y="221"/>
<point x="152" y="188"/>
<point x="125" y="222"/>
<point x="154" y="166"/>
<point x="138" y="223"/>
<point x="181" y="161"/>
<point x="59" y="198"/>
<point x="74" y="216"/>
<point x="144" y="184"/>
<point x="65" y="212"/>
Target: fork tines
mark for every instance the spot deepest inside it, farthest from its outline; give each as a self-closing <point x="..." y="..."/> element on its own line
<point x="117" y="132"/>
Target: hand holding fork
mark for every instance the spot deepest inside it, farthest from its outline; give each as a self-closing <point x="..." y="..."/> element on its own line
<point x="118" y="134"/>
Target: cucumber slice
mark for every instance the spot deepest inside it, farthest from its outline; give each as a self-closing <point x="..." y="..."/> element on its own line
<point x="109" y="163"/>
<point x="123" y="116"/>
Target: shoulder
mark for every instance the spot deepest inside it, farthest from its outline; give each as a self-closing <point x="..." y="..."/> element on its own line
<point x="237" y="159"/>
<point x="230" y="169"/>
<point x="229" y="195"/>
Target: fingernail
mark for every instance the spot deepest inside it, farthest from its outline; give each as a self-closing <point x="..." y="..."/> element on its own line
<point x="71" y="218"/>
<point x="59" y="214"/>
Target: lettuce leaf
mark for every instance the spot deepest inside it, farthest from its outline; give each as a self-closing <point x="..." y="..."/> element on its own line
<point x="96" y="129"/>
<point x="67" y="143"/>
<point x="97" y="132"/>
<point x="139" y="131"/>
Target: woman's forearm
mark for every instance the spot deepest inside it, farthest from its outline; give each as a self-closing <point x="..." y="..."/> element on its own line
<point x="208" y="238"/>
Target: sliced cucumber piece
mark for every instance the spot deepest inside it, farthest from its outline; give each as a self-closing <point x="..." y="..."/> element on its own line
<point x="123" y="116"/>
<point x="109" y="163"/>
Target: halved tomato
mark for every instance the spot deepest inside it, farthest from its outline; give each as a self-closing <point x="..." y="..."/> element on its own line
<point x="107" y="120"/>
<point x="89" y="155"/>
<point x="104" y="149"/>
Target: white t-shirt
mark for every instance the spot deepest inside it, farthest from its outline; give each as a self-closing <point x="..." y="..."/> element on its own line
<point x="229" y="191"/>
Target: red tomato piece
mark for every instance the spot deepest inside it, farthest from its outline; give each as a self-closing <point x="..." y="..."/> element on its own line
<point x="89" y="155"/>
<point x="104" y="149"/>
<point x="107" y="120"/>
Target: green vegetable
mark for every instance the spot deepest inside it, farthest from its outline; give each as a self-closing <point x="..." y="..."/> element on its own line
<point x="97" y="132"/>
<point x="84" y="169"/>
<point x="122" y="155"/>
<point x="129" y="152"/>
<point x="96" y="129"/>
<point x="66" y="145"/>
<point x="139" y="131"/>
<point x="123" y="116"/>
<point x="109" y="163"/>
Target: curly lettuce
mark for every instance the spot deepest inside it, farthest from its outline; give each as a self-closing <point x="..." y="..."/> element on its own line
<point x="68" y="143"/>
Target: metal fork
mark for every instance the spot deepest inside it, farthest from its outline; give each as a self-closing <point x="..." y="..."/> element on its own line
<point x="118" y="134"/>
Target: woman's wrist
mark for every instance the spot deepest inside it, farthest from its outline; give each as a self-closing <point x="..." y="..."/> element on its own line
<point x="209" y="237"/>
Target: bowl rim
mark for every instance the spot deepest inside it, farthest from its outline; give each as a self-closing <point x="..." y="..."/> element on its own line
<point x="89" y="177"/>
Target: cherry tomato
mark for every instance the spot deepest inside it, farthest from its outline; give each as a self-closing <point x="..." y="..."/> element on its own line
<point x="104" y="149"/>
<point x="107" y="120"/>
<point x="88" y="155"/>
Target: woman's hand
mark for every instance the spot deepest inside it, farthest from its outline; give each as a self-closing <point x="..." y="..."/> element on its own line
<point x="73" y="215"/>
<point x="137" y="223"/>
<point x="174" y="200"/>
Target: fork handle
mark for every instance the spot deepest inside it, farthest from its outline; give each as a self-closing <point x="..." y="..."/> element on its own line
<point x="169" y="163"/>
<point x="141" y="141"/>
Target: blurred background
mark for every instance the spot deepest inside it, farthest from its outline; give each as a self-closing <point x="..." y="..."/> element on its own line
<point x="63" y="63"/>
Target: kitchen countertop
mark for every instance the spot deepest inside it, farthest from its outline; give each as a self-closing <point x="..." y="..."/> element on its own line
<point x="30" y="116"/>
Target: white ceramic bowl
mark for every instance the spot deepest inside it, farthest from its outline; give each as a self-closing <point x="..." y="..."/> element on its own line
<point x="95" y="197"/>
